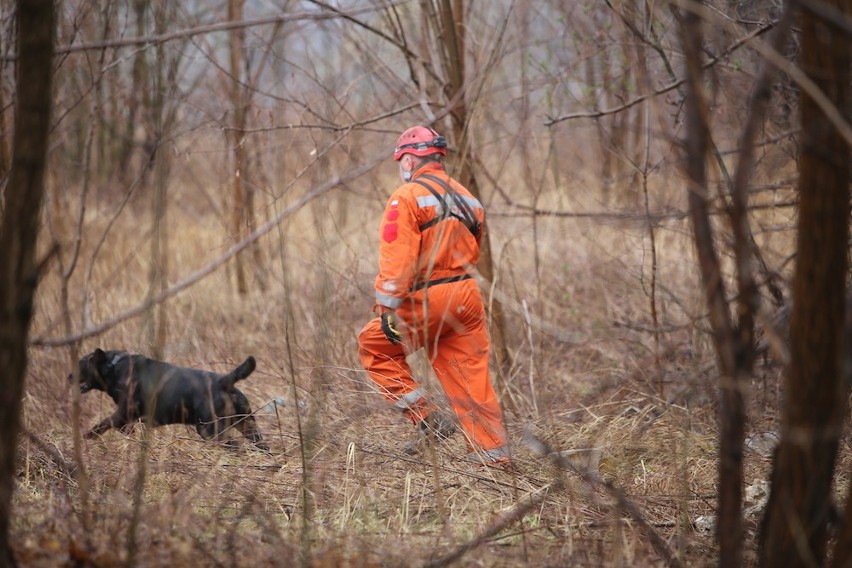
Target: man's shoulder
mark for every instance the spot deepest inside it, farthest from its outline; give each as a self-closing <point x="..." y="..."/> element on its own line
<point x="405" y="193"/>
<point x="414" y="188"/>
<point x="404" y="190"/>
<point x="438" y="178"/>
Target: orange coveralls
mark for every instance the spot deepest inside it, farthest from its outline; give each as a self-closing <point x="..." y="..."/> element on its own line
<point x="445" y="317"/>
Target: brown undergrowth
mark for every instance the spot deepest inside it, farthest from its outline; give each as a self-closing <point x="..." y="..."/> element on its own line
<point x="588" y="384"/>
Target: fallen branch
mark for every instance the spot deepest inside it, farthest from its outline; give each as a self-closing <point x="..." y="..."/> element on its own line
<point x="510" y="517"/>
<point x="66" y="467"/>
<point x="625" y="504"/>
<point x="525" y="506"/>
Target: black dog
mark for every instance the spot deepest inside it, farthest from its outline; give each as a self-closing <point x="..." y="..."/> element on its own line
<point x="159" y="393"/>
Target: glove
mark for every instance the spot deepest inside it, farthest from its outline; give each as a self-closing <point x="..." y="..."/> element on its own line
<point x="389" y="328"/>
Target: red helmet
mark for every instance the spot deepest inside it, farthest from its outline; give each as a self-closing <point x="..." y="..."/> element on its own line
<point x="420" y="141"/>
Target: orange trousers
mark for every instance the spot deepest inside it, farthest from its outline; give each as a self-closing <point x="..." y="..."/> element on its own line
<point x="449" y="321"/>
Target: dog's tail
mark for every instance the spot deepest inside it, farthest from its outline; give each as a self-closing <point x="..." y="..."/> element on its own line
<point x="238" y="374"/>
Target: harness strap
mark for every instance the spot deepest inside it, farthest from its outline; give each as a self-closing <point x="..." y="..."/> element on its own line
<point x="470" y="218"/>
<point x="467" y="217"/>
<point x="421" y="285"/>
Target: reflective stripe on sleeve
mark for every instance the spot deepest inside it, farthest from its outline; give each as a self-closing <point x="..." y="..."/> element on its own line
<point x="432" y="201"/>
<point x="428" y="201"/>
<point x="388" y="301"/>
<point x="472" y="202"/>
<point x="410" y="399"/>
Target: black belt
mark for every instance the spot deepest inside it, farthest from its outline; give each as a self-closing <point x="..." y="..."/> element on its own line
<point x="421" y="285"/>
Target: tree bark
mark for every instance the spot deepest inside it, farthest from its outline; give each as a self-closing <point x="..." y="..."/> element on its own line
<point x="4" y="146"/>
<point x="18" y="268"/>
<point x="795" y="529"/>
<point x="137" y="98"/>
<point x="452" y="28"/>
<point x="237" y="131"/>
<point x="732" y="374"/>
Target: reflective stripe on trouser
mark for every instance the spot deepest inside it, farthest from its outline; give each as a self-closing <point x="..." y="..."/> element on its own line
<point x="391" y="373"/>
<point x="485" y="456"/>
<point x="453" y="331"/>
<point x="411" y="399"/>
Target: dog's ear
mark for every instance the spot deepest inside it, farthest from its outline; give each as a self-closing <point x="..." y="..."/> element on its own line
<point x="99" y="357"/>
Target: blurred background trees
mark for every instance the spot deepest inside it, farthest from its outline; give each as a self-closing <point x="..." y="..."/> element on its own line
<point x="271" y="125"/>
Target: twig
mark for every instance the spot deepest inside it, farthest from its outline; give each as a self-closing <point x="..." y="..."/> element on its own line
<point x="668" y="88"/>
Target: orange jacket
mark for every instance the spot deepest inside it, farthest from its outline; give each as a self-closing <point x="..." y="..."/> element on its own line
<point x="411" y="254"/>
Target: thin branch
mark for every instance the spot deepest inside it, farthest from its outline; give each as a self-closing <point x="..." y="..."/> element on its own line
<point x="210" y="268"/>
<point x="149" y="41"/>
<point x="798" y="76"/>
<point x="670" y="87"/>
<point x="350" y="16"/>
<point x="629" y="216"/>
<point x="336" y="127"/>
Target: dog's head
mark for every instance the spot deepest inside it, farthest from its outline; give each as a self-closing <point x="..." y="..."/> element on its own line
<point x="98" y="371"/>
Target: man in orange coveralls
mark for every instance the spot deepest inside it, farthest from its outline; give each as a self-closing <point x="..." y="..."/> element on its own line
<point x="425" y="297"/>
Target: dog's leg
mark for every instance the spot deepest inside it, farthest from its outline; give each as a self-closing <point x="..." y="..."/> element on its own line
<point x="117" y="420"/>
<point x="99" y="428"/>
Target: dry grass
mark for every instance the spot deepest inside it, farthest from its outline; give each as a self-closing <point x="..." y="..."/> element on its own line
<point x="588" y="379"/>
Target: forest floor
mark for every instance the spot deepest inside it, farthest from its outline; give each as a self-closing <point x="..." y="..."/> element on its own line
<point x="614" y="441"/>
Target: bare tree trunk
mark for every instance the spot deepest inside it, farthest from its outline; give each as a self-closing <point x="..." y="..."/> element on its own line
<point x="243" y="82"/>
<point x="732" y="378"/>
<point x="452" y="28"/>
<point x="635" y="15"/>
<point x="444" y="19"/>
<point x="238" y="125"/>
<point x="592" y="81"/>
<point x="138" y="96"/>
<point x="796" y="517"/>
<point x="643" y="169"/>
<point x="18" y="268"/>
<point x="4" y="146"/>
<point x="734" y="343"/>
